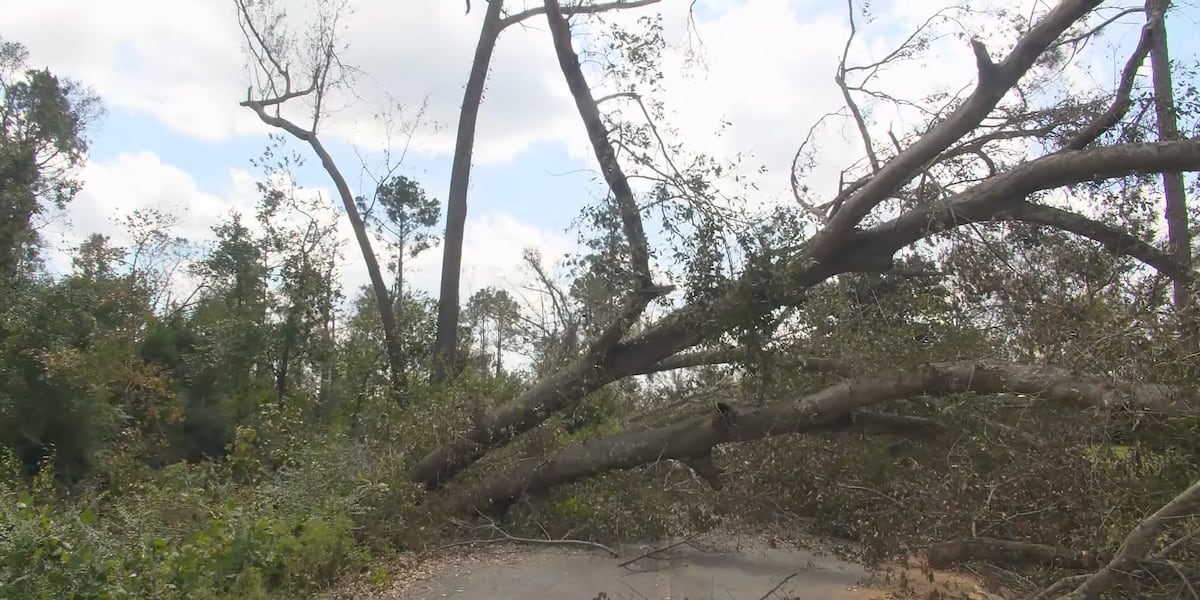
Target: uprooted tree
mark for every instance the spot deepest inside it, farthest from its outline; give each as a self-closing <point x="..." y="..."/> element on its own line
<point x="1007" y="153"/>
<point x="916" y="172"/>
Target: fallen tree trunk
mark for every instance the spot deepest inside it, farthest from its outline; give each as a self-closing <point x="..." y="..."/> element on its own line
<point x="829" y="253"/>
<point x="1011" y="553"/>
<point x="692" y="440"/>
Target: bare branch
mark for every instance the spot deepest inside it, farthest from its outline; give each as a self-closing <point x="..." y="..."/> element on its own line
<point x="794" y="178"/>
<point x="1085" y="36"/>
<point x="1121" y="101"/>
<point x="994" y="81"/>
<point x="840" y="79"/>
<point x="579" y="9"/>
<point x="323" y="60"/>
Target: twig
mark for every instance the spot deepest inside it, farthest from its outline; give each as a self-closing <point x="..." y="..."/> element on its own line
<point x="1173" y="546"/>
<point x="512" y="538"/>
<point x="1184" y="578"/>
<point x="777" y="586"/>
<point x="657" y="550"/>
<point x="1062" y="584"/>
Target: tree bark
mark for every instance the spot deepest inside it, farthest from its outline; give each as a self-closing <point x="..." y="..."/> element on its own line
<point x="445" y="345"/>
<point x="1010" y="552"/>
<point x="1178" y="238"/>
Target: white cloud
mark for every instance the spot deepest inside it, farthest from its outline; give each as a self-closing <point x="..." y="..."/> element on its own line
<point x="180" y="64"/>
<point x="115" y="188"/>
<point x="184" y="66"/>
<point x="769" y="71"/>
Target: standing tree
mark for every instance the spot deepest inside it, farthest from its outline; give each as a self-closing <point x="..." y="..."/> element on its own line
<point x="407" y="215"/>
<point x="275" y="54"/>
<point x="492" y="313"/>
<point x="495" y="21"/>
<point x="43" y="120"/>
<point x="1168" y="129"/>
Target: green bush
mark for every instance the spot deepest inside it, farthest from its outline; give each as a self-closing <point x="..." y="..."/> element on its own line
<point x="187" y="533"/>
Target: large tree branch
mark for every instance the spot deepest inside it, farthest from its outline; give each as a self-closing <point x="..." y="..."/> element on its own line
<point x="1113" y="238"/>
<point x="702" y="358"/>
<point x="1121" y="100"/>
<point x="831" y="407"/>
<point x="864" y="250"/>
<point x="1138" y="544"/>
<point x="606" y="155"/>
<point x="994" y="81"/>
<point x="1001" y="197"/>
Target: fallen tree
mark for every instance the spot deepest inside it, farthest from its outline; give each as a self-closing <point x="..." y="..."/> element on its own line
<point x="837" y="407"/>
<point x="846" y="242"/>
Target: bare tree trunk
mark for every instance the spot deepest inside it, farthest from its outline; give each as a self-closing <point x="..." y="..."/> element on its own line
<point x="1179" y="241"/>
<point x="270" y="58"/>
<point x="445" y="345"/>
<point x="446" y="341"/>
<point x="387" y="315"/>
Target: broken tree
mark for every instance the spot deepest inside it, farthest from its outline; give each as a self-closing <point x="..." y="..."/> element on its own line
<point x="856" y="234"/>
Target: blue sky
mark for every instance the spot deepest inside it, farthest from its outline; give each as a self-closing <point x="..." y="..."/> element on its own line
<point x="171" y="80"/>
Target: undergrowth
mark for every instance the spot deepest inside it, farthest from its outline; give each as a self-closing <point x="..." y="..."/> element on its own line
<point x="208" y="530"/>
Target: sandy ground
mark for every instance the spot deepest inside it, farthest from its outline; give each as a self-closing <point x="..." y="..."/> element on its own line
<point x="731" y="568"/>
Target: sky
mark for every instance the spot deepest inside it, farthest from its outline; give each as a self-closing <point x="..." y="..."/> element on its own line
<point x="171" y="75"/>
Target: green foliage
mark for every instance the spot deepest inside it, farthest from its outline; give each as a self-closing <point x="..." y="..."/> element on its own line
<point x="43" y="120"/>
<point x="187" y="532"/>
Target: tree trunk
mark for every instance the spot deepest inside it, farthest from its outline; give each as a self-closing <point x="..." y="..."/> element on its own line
<point x="445" y="344"/>
<point x="499" y="348"/>
<point x="1179" y="240"/>
<point x="387" y="315"/>
<point x="1010" y="552"/>
<point x="281" y="375"/>
<point x="836" y="407"/>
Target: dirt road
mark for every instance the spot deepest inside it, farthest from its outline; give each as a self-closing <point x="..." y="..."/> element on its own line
<point x="729" y="569"/>
<point x="709" y="567"/>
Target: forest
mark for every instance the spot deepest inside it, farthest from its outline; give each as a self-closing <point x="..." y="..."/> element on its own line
<point x="979" y="345"/>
